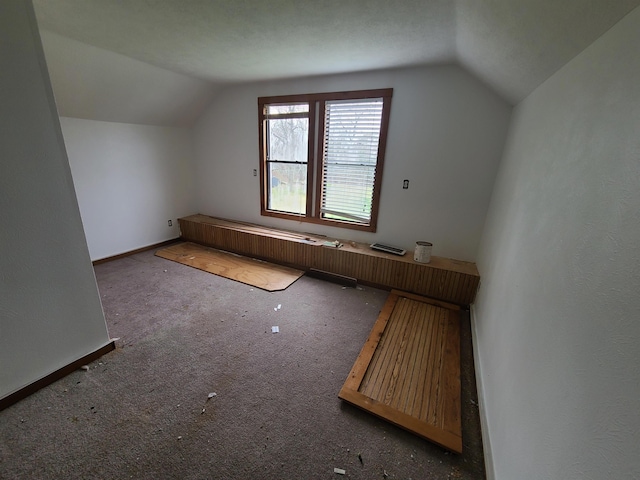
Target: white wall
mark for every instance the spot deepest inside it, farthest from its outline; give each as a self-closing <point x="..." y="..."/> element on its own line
<point x="50" y="311"/>
<point x="446" y="136"/>
<point x="557" y="322"/>
<point x="130" y="180"/>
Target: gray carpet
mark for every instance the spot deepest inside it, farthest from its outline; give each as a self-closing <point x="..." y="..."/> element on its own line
<point x="142" y="411"/>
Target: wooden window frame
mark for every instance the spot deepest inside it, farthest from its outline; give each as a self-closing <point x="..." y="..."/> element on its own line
<point x="316" y="102"/>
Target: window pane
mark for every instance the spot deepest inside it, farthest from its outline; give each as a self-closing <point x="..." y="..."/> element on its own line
<point x="288" y="139"/>
<point x="295" y="108"/>
<point x="352" y="133"/>
<point x="287" y="187"/>
<point x="348" y="191"/>
<point x="331" y="174"/>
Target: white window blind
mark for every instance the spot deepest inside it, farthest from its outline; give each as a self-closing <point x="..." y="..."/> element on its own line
<point x="350" y="154"/>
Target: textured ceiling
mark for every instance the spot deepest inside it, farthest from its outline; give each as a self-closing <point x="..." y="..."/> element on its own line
<point x="96" y="84"/>
<point x="241" y="40"/>
<point x="513" y="45"/>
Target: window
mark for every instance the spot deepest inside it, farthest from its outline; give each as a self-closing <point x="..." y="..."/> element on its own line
<point x="321" y="156"/>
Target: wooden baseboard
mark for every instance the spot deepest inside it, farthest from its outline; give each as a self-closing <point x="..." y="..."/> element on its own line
<point x="137" y="250"/>
<point x="54" y="376"/>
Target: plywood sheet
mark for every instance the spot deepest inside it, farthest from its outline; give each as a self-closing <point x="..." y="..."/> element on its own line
<point x="408" y="371"/>
<point x="267" y="276"/>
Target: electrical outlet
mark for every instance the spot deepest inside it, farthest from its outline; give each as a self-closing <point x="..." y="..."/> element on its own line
<point x="405" y="185"/>
<point x="255" y="172"/>
<point x="170" y="223"/>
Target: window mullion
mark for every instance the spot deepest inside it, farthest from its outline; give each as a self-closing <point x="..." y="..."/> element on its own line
<point x="382" y="147"/>
<point x="263" y="136"/>
<point x="311" y="157"/>
<point x="320" y="159"/>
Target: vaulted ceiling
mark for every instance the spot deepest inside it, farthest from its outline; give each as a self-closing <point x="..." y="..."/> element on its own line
<point x="512" y="45"/>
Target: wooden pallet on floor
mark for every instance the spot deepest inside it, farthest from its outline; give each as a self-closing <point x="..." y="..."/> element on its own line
<point x="408" y="371"/>
<point x="257" y="273"/>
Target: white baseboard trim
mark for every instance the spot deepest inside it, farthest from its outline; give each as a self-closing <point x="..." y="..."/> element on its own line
<point x="486" y="439"/>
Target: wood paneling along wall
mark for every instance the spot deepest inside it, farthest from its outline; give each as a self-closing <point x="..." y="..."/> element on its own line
<point x="443" y="279"/>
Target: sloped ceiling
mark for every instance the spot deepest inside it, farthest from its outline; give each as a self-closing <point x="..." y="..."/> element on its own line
<point x="97" y="84"/>
<point x="513" y="45"/>
<point x="247" y="40"/>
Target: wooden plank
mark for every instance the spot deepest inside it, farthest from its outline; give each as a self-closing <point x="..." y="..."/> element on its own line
<point x="421" y="399"/>
<point x="253" y="272"/>
<point x="430" y="301"/>
<point x="451" y="420"/>
<point x="432" y="366"/>
<point x="397" y="350"/>
<point x="434" y="434"/>
<point x="435" y="395"/>
<point x="374" y="377"/>
<point x="416" y="389"/>
<point x="408" y="366"/>
<point x="408" y="371"/>
<point x="362" y="362"/>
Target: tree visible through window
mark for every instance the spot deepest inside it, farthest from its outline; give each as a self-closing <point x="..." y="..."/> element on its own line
<point x="287" y="139"/>
<point x="322" y="155"/>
